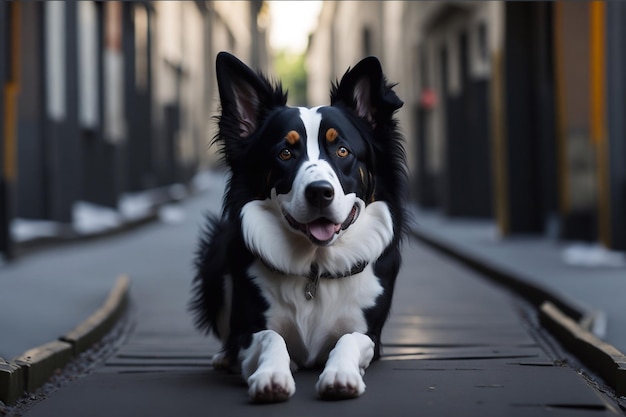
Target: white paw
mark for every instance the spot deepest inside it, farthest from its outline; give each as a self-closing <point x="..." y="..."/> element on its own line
<point x="336" y="384"/>
<point x="271" y="386"/>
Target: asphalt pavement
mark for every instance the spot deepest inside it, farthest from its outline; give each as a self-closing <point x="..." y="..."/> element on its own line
<point x="455" y="344"/>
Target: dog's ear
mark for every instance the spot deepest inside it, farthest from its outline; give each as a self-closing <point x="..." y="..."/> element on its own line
<point x="244" y="94"/>
<point x="365" y="91"/>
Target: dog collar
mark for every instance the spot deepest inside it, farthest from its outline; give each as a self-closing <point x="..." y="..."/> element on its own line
<point x="314" y="276"/>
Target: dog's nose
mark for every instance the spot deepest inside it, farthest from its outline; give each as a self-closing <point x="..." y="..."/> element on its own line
<point x="319" y="193"/>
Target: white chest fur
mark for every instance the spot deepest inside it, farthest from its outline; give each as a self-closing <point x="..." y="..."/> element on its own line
<point x="312" y="327"/>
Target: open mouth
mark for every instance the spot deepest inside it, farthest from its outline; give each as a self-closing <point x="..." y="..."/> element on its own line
<point x="321" y="231"/>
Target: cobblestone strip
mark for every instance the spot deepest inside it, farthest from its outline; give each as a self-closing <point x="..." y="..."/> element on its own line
<point x="34" y="367"/>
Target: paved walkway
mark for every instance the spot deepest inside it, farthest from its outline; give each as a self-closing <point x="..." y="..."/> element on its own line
<point x="543" y="262"/>
<point x="455" y="343"/>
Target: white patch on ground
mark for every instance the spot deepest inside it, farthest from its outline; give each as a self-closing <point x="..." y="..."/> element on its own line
<point x="89" y="218"/>
<point x="171" y="214"/>
<point x="592" y="256"/>
<point x="206" y="180"/>
<point x="26" y="229"/>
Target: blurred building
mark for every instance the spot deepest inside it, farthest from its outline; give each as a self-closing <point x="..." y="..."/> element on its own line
<point x="513" y="110"/>
<point x="102" y="98"/>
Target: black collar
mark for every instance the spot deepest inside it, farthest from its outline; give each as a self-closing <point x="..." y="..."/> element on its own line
<point x="356" y="268"/>
<point x="314" y="275"/>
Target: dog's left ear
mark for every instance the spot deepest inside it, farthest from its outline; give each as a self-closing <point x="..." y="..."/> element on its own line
<point x="364" y="90"/>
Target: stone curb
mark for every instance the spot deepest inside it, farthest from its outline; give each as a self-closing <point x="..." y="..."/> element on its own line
<point x="567" y="320"/>
<point x="11" y="382"/>
<point x="602" y="357"/>
<point x="83" y="336"/>
<point x="34" y="367"/>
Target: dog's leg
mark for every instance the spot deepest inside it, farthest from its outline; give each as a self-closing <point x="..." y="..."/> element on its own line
<point x="220" y="361"/>
<point x="343" y="374"/>
<point x="265" y="366"/>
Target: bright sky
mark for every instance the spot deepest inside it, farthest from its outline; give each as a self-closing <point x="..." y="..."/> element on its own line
<point x="292" y="22"/>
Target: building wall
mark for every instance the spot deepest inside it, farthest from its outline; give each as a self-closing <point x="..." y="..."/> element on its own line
<point x="616" y="123"/>
<point x="6" y="152"/>
<point x="394" y="31"/>
<point x="499" y="119"/>
<point x="320" y="57"/>
<point x="233" y="29"/>
<point x="115" y="97"/>
<point x="574" y="50"/>
<point x="179" y="61"/>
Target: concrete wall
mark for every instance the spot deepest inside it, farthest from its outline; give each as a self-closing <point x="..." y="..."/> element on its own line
<point x="398" y="31"/>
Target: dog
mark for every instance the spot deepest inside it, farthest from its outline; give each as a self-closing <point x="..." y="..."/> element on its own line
<point x="299" y="268"/>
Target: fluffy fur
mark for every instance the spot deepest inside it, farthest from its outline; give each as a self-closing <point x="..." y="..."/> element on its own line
<point x="300" y="266"/>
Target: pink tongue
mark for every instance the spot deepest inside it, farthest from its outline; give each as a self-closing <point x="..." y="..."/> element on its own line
<point x="323" y="230"/>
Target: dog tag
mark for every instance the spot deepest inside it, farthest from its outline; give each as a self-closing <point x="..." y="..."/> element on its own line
<point x="311" y="288"/>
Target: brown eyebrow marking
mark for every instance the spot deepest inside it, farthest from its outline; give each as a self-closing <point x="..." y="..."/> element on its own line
<point x="292" y="137"/>
<point x="331" y="135"/>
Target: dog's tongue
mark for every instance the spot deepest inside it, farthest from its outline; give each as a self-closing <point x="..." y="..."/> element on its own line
<point x="323" y="230"/>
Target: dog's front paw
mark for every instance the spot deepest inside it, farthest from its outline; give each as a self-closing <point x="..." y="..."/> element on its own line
<point x="338" y="384"/>
<point x="271" y="386"/>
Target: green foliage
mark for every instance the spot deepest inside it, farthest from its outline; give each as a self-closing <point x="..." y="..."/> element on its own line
<point x="290" y="68"/>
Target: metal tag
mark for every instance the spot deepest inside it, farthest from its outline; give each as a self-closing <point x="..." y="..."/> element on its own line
<point x="311" y="288"/>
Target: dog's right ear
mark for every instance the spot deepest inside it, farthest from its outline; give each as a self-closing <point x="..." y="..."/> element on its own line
<point x="245" y="95"/>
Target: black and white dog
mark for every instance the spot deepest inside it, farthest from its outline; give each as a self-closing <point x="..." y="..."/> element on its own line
<point x="300" y="267"/>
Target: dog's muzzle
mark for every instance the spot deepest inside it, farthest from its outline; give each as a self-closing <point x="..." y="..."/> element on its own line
<point x="322" y="231"/>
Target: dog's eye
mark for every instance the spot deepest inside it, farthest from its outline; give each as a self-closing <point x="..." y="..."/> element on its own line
<point x="285" y="154"/>
<point x="342" y="152"/>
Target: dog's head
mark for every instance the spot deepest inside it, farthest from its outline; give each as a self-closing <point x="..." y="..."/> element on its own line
<point x="313" y="169"/>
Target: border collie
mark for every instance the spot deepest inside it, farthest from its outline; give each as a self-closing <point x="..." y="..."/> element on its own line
<point x="300" y="267"/>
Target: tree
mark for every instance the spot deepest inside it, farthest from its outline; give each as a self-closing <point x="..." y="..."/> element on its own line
<point x="290" y="68"/>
